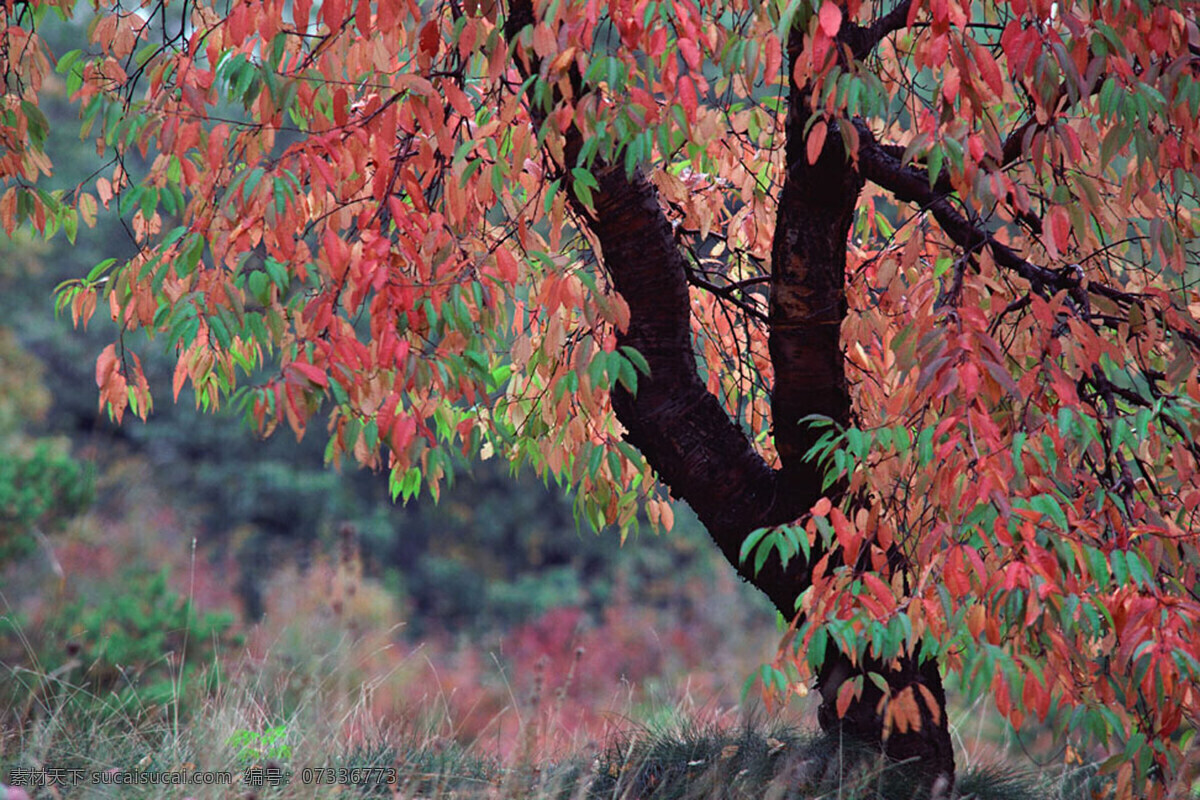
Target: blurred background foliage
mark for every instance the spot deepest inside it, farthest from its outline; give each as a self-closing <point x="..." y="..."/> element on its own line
<point x="247" y="530"/>
<point x="41" y="484"/>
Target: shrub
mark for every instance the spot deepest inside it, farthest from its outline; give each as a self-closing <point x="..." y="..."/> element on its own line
<point x="134" y="650"/>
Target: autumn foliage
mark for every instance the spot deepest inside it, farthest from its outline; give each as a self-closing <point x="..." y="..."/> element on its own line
<point x="396" y="224"/>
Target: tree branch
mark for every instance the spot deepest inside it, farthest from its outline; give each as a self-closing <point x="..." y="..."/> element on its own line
<point x="727" y="292"/>
<point x="910" y="184"/>
<point x="864" y="39"/>
<point x="878" y="164"/>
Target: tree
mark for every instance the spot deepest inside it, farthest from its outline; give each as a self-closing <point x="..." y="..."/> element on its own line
<point x="899" y="297"/>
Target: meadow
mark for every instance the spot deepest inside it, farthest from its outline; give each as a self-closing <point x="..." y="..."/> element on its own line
<point x="129" y="669"/>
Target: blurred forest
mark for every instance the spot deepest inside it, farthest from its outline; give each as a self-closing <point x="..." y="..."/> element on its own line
<point x="100" y="580"/>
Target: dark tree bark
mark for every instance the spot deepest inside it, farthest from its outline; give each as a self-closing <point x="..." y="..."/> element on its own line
<point x="808" y="304"/>
<point x="684" y="432"/>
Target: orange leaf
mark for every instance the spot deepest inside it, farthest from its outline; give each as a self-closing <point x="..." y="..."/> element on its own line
<point x="104" y="188"/>
<point x="976" y="618"/>
<point x="179" y="377"/>
<point x="904" y="712"/>
<point x="562" y="62"/>
<point x="931" y="703"/>
<point x="816" y="140"/>
<point x="8" y="210"/>
<point x="846" y="694"/>
<point x="87" y="209"/>
<point x="106" y="365"/>
<point x="506" y="265"/>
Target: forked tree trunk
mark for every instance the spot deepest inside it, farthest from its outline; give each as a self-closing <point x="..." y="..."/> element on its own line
<point x="685" y="433"/>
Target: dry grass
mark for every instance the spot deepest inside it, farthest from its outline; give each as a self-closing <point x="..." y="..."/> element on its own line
<point x="325" y="686"/>
<point x="330" y="741"/>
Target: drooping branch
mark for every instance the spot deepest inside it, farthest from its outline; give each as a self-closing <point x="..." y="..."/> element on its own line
<point x="879" y="164"/>
<point x="910" y="184"/>
<point x="728" y="292"/>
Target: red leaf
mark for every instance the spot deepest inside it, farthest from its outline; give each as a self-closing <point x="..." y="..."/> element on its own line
<point x="338" y="254"/>
<point x="362" y="17"/>
<point x="431" y="38"/>
<point x="846" y="693"/>
<point x="774" y="60"/>
<point x="849" y="538"/>
<point x="880" y="591"/>
<point x="311" y="372"/>
<point x="195" y="101"/>
<point x="1060" y="228"/>
<point x="953" y="576"/>
<point x="403" y="430"/>
<point x="341" y="104"/>
<point x="691" y="53"/>
<point x="687" y="96"/>
<point x="951" y="84"/>
<point x="989" y="70"/>
<point x="830" y="18"/>
<point x="506" y="265"/>
<point x="968" y="375"/>
<point x="300" y="14"/>
<point x="333" y="13"/>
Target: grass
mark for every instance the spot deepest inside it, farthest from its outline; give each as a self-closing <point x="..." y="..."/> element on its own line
<point x="333" y="745"/>
<point x="330" y="697"/>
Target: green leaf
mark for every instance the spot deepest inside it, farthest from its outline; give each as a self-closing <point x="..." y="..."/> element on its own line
<point x="627" y="375"/>
<point x="749" y="543"/>
<point x="551" y="193"/>
<point x="764" y="551"/>
<point x="1048" y="506"/>
<point x="584" y="194"/>
<point x="637" y="359"/>
<point x="934" y="160"/>
<point x="67" y="61"/>
<point x="39" y="126"/>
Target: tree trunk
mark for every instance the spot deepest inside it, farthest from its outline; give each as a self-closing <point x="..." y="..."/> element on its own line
<point x="808" y="303"/>
<point x="684" y="432"/>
